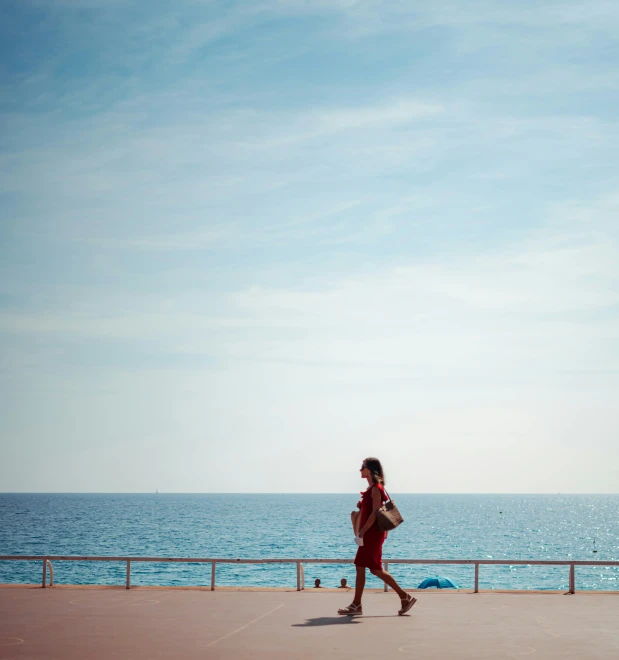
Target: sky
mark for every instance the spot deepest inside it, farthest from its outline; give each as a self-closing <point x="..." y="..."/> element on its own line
<point x="244" y="245"/>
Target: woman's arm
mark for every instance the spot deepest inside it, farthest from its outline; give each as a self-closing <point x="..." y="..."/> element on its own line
<point x="355" y="516"/>
<point x="377" y="502"/>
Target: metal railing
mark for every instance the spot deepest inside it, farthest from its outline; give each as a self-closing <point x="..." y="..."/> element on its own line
<point x="300" y="562"/>
<point x="47" y="563"/>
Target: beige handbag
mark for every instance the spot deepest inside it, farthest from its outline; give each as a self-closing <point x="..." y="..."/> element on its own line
<point x="388" y="516"/>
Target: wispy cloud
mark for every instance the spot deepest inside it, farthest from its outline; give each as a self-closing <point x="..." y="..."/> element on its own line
<point x="552" y="300"/>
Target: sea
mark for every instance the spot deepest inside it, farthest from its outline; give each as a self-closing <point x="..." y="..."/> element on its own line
<point x="256" y="526"/>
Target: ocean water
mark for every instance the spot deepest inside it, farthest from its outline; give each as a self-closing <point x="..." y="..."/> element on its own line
<point x="268" y="526"/>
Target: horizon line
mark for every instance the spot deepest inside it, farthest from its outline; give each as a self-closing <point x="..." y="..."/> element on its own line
<point x="278" y="493"/>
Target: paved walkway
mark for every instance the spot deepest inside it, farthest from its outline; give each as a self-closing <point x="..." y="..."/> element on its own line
<point x="64" y="623"/>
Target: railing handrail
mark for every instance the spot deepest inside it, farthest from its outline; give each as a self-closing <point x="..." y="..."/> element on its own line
<point x="46" y="559"/>
<point x="313" y="560"/>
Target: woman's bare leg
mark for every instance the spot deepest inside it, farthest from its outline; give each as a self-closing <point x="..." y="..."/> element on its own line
<point x="359" y="585"/>
<point x="390" y="580"/>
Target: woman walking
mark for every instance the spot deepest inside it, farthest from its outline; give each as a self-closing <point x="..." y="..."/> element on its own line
<point x="370" y="554"/>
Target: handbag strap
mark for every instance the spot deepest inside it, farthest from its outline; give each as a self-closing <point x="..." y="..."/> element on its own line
<point x="386" y="493"/>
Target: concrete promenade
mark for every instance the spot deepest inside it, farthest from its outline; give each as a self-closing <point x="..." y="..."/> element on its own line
<point x="143" y="623"/>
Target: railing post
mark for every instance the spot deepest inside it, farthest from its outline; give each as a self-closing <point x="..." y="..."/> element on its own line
<point x="302" y="578"/>
<point x="476" y="577"/>
<point x="298" y="576"/>
<point x="44" y="572"/>
<point x="386" y="569"/>
<point x="128" y="574"/>
<point x="212" y="576"/>
<point x="572" y="579"/>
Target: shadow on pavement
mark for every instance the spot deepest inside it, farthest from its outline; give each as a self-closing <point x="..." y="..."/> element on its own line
<point x="326" y="621"/>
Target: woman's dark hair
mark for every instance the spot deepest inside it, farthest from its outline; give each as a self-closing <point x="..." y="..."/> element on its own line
<point x="376" y="469"/>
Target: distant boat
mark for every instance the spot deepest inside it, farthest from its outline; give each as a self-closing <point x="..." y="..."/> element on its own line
<point x="157" y="491"/>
